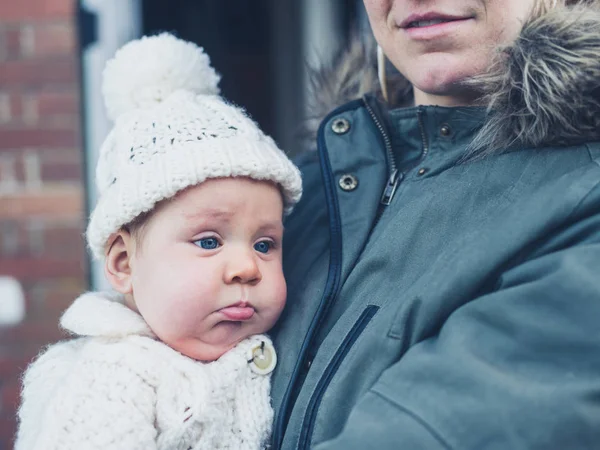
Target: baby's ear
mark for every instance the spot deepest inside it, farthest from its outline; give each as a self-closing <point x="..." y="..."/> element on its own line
<point x="117" y="264"/>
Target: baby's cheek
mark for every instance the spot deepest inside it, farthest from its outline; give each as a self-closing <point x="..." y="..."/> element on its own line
<point x="280" y="293"/>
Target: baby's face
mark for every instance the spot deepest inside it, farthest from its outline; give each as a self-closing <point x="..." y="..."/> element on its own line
<point x="208" y="272"/>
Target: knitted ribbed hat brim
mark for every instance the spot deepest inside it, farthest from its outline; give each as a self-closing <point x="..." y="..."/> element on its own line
<point x="140" y="189"/>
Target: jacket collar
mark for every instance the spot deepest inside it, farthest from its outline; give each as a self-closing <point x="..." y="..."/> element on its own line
<point x="542" y="90"/>
<point x="103" y="314"/>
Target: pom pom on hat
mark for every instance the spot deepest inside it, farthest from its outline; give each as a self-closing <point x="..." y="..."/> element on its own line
<point x="147" y="71"/>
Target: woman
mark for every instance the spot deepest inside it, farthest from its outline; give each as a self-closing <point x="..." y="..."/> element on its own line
<point x="444" y="263"/>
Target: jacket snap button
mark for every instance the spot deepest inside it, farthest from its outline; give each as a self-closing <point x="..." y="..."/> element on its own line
<point x="422" y="171"/>
<point x="348" y="182"/>
<point x="340" y="126"/>
<point x="262" y="358"/>
<point x="445" y="130"/>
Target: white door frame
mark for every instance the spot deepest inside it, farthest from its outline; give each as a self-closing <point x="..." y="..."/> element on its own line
<point x="117" y="22"/>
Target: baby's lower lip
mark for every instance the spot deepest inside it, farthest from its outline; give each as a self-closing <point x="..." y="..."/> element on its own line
<point x="238" y="313"/>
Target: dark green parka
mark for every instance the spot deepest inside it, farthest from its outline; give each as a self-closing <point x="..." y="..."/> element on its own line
<point x="438" y="302"/>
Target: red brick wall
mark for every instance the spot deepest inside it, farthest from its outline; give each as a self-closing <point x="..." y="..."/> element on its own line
<point x="41" y="191"/>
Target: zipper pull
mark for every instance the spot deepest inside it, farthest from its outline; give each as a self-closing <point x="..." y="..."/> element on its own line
<point x="390" y="188"/>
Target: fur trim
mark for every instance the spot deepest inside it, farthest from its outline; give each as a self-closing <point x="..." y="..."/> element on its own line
<point x="350" y="76"/>
<point x="544" y="89"/>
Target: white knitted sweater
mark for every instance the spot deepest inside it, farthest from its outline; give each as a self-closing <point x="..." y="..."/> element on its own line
<point x="117" y="387"/>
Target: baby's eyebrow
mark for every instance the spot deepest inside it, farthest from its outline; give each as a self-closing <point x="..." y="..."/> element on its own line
<point x="208" y="213"/>
<point x="274" y="226"/>
<point x="224" y="215"/>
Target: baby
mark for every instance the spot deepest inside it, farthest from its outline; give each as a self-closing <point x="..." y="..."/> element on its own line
<point x="189" y="227"/>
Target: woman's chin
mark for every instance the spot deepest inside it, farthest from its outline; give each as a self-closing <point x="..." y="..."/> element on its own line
<point x="443" y="91"/>
<point x="441" y="81"/>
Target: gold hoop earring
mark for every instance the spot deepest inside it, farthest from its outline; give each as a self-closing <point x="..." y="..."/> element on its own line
<point x="381" y="72"/>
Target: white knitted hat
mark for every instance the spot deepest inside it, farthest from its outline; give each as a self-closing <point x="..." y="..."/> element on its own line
<point x="173" y="130"/>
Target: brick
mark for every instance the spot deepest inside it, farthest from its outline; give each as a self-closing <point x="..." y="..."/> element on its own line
<point x="17" y="138"/>
<point x="57" y="102"/>
<point x="8" y="429"/>
<point x="8" y="174"/>
<point x="27" y="269"/>
<point x="12" y="238"/>
<point x="29" y="110"/>
<point x="19" y="350"/>
<point x="56" y="240"/>
<point x="3" y="48"/>
<point x="24" y="10"/>
<point x="58" y="166"/>
<point x="52" y="39"/>
<point x="10" y="395"/>
<point x="38" y="333"/>
<point x="38" y="72"/>
<point x="42" y="238"/>
<point x="64" y="242"/>
<point x="12" y="38"/>
<point x="12" y="366"/>
<point x="31" y="168"/>
<point x="61" y="171"/>
<point x="10" y="42"/>
<point x="5" y="108"/>
<point x="64" y="202"/>
<point x="52" y="297"/>
<point x="16" y="105"/>
<point x="35" y="239"/>
<point x="18" y="173"/>
<point x="51" y="108"/>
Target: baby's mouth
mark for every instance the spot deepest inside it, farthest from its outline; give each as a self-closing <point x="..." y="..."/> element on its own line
<point x="239" y="312"/>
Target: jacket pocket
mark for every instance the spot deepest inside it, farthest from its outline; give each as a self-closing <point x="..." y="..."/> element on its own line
<point x="412" y="322"/>
<point x="404" y="318"/>
<point x="330" y="371"/>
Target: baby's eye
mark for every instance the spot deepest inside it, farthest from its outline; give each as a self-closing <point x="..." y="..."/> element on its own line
<point x="209" y="243"/>
<point x="263" y="246"/>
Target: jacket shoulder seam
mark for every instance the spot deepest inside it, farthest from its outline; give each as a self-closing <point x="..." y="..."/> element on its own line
<point x="588" y="194"/>
<point x="594" y="154"/>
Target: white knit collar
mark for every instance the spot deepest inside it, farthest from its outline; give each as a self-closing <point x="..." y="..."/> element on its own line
<point x="103" y="314"/>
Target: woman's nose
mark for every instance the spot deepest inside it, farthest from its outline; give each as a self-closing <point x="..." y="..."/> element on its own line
<point x="243" y="268"/>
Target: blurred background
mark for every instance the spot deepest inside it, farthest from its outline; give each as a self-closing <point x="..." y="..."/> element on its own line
<point x="52" y="123"/>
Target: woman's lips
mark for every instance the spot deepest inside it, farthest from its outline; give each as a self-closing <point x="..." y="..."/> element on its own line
<point x="434" y="30"/>
<point x="239" y="312"/>
<point x="431" y="24"/>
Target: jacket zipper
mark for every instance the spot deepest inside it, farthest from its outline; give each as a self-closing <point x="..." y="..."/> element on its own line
<point x="332" y="285"/>
<point x="423" y="134"/>
<point x="395" y="176"/>
<point x="315" y="401"/>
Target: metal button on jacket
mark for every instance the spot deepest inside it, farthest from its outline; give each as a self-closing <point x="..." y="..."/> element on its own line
<point x="340" y="125"/>
<point x="445" y="130"/>
<point x="348" y="182"/>
<point x="262" y="358"/>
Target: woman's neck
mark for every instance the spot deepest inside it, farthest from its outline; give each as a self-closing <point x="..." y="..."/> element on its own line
<point x="463" y="98"/>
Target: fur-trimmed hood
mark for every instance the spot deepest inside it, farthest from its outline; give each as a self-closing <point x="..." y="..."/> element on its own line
<point x="544" y="89"/>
